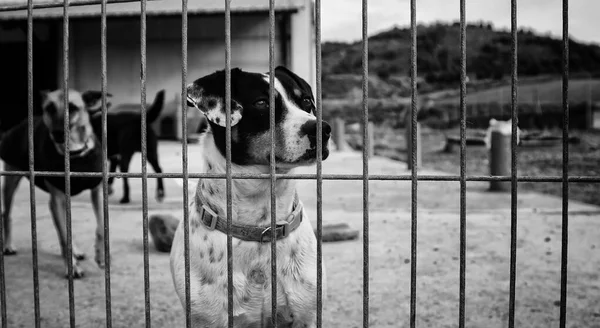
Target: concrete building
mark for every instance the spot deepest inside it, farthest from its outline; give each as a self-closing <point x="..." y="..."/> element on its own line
<point x="294" y="47"/>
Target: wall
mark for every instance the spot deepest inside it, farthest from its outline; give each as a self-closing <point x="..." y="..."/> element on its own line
<point x="206" y="53"/>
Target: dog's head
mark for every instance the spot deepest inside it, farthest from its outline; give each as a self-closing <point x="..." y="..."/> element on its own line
<point x="295" y="122"/>
<point x="80" y="130"/>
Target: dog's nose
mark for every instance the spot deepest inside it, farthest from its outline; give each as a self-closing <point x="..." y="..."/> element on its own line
<point x="58" y="136"/>
<point x="310" y="130"/>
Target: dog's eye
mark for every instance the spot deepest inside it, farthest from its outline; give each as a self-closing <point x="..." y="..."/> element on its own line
<point x="261" y="104"/>
<point x="307" y="103"/>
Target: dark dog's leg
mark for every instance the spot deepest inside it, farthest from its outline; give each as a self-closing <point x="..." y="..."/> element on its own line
<point x="124" y="167"/>
<point x="99" y="213"/>
<point x="58" y="206"/>
<point x="113" y="168"/>
<point x="153" y="159"/>
<point x="10" y="186"/>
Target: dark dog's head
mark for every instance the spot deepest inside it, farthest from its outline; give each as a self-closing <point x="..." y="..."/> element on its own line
<point x="295" y="123"/>
<point x="80" y="133"/>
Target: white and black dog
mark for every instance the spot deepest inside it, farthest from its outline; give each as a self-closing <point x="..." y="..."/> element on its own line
<point x="296" y="136"/>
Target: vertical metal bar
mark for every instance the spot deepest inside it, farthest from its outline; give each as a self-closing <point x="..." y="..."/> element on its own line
<point x="228" y="186"/>
<point x="463" y="164"/>
<point x="3" y="318"/>
<point x="319" y="164"/>
<point x="66" y="128"/>
<point x="30" y="145"/>
<point x="513" y="173"/>
<point x="184" y="161"/>
<point x="365" y="159"/>
<point x="272" y="162"/>
<point x="103" y="77"/>
<point x="144" y="162"/>
<point x="413" y="209"/>
<point x="565" y="167"/>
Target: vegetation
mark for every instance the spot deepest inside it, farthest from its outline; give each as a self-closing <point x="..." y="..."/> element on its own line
<point x="438" y="61"/>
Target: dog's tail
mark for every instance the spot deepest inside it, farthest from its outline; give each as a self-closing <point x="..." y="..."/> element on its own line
<point x="156" y="107"/>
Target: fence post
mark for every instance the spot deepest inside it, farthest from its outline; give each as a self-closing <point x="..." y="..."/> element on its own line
<point x="500" y="160"/>
<point x="409" y="144"/>
<point x="371" y="136"/>
<point x="339" y="134"/>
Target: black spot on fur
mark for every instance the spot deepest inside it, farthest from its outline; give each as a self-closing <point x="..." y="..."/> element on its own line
<point x="211" y="254"/>
<point x="212" y="103"/>
<point x="207" y="280"/>
<point x="221" y="256"/>
<point x="194" y="224"/>
<point x="246" y="299"/>
<point x="239" y="243"/>
<point x="217" y="120"/>
<point x="257" y="276"/>
<point x="209" y="166"/>
<point x="205" y="238"/>
<point x="201" y="254"/>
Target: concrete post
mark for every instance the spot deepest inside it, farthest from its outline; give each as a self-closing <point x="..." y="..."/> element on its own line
<point x="500" y="160"/>
<point x="589" y="116"/>
<point x="339" y="134"/>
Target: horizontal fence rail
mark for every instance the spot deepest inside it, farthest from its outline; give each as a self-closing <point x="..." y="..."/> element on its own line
<point x="366" y="177"/>
<point x="385" y="177"/>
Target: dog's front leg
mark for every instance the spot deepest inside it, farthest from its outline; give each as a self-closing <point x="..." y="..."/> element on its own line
<point x="58" y="208"/>
<point x="10" y="186"/>
<point x="99" y="213"/>
<point x="113" y="168"/>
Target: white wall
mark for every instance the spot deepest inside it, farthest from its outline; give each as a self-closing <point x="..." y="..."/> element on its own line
<point x="206" y="52"/>
<point x="302" y="45"/>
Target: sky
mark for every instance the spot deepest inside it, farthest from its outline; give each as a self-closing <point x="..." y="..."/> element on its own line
<point x="341" y="19"/>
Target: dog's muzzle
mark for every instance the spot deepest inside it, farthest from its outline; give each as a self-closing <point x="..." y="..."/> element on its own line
<point x="88" y="145"/>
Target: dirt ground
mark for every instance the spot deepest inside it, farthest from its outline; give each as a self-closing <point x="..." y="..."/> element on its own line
<point x="531" y="161"/>
<point x="488" y="253"/>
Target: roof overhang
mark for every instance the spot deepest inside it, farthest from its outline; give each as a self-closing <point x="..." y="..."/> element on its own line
<point x="120" y="8"/>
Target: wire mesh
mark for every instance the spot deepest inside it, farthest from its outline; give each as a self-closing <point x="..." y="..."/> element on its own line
<point x="365" y="177"/>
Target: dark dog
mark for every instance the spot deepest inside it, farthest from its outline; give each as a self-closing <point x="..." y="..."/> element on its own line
<point x="125" y="139"/>
<point x="296" y="145"/>
<point x="49" y="149"/>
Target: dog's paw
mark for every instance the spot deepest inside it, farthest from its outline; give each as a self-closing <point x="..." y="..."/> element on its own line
<point x="8" y="251"/>
<point x="78" y="273"/>
<point x="160" y="195"/>
<point x="79" y="256"/>
<point x="124" y="200"/>
<point x="99" y="258"/>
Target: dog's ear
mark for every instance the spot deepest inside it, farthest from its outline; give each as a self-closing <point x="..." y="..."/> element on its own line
<point x="284" y="71"/>
<point x="93" y="100"/>
<point x="208" y="95"/>
<point x="44" y="94"/>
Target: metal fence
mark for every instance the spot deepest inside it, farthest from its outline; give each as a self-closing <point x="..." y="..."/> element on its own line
<point x="565" y="179"/>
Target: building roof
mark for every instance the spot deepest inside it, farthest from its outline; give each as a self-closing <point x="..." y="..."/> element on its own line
<point x="82" y="8"/>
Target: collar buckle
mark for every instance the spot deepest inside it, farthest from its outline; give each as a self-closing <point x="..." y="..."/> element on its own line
<point x="213" y="217"/>
<point x="280" y="226"/>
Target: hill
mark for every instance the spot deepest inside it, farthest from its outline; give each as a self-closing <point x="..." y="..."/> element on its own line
<point x="438" y="62"/>
<point x="547" y="92"/>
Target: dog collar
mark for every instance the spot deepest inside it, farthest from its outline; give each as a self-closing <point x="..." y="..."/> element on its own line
<point x="259" y="234"/>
